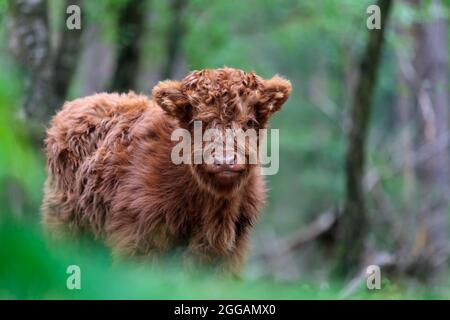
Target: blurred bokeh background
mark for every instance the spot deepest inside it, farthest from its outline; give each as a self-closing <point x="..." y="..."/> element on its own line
<point x="331" y="212"/>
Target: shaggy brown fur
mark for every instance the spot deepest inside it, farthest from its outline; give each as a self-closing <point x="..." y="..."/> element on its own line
<point x="110" y="171"/>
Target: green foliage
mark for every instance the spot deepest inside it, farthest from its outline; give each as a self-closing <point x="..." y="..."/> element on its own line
<point x="32" y="267"/>
<point x="21" y="165"/>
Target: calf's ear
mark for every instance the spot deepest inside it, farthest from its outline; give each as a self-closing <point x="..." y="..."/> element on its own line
<point x="170" y="97"/>
<point x="274" y="93"/>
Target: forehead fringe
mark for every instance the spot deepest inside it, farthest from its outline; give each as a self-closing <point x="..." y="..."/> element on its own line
<point x="221" y="82"/>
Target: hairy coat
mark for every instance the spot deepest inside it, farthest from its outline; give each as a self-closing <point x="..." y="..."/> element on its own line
<point x="110" y="172"/>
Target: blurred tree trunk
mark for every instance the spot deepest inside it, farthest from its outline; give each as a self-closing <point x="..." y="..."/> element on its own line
<point x="404" y="108"/>
<point x="431" y="247"/>
<point x="174" y="37"/>
<point x="130" y="29"/>
<point x="353" y="226"/>
<point x="30" y="43"/>
<point x="406" y="118"/>
<point x="96" y="62"/>
<point x="49" y="73"/>
<point x="67" y="55"/>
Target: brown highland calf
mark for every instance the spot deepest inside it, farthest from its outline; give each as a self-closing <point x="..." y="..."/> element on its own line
<point x="110" y="171"/>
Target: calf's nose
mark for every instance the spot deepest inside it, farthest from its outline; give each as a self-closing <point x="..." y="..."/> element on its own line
<point x="224" y="160"/>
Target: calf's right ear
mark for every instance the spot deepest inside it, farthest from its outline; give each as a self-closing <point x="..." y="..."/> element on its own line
<point x="170" y="97"/>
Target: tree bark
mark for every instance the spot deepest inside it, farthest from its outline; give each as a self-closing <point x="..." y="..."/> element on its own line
<point x="130" y="30"/>
<point x="49" y="73"/>
<point x="353" y="226"/>
<point x="30" y="43"/>
<point x="174" y="37"/>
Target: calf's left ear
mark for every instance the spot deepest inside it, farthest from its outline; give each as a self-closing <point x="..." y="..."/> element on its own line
<point x="274" y="94"/>
<point x="170" y="97"/>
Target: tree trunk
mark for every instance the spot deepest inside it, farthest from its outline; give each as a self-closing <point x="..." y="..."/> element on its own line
<point x="353" y="226"/>
<point x="431" y="246"/>
<point x="406" y="118"/>
<point x="96" y="62"/>
<point x="48" y="73"/>
<point x="174" y="37"/>
<point x="30" y="43"/>
<point x="130" y="30"/>
<point x="67" y="55"/>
